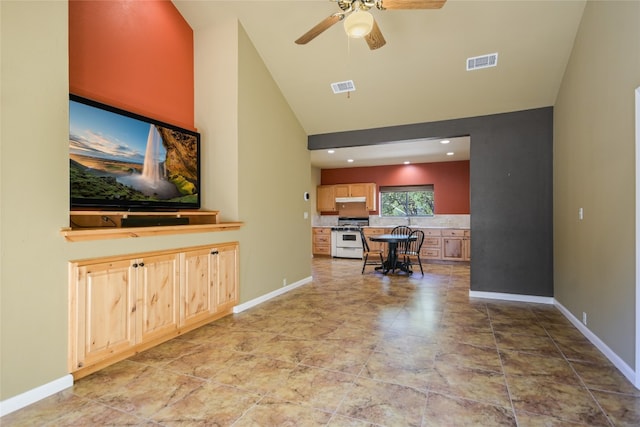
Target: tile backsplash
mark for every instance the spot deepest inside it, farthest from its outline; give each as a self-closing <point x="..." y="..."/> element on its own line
<point x="453" y="221"/>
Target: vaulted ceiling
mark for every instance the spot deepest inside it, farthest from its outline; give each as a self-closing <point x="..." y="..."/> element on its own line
<point x="420" y="74"/>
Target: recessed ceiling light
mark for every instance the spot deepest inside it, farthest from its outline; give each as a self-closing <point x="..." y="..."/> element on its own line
<point x="350" y="160"/>
<point x="450" y="153"/>
<point x="445" y="141"/>
<point x="407" y="163"/>
<point x="331" y="151"/>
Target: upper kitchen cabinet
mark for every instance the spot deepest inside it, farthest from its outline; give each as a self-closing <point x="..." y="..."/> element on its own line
<point x="326" y="198"/>
<point x="367" y="190"/>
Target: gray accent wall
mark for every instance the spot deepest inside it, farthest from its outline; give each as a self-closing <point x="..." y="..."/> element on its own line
<point x="511" y="193"/>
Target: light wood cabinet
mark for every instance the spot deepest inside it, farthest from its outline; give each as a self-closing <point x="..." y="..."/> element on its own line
<point x="103" y="311"/>
<point x="367" y="190"/>
<point x="432" y="245"/>
<point x="198" y="281"/>
<point x="326" y="198"/>
<point x="158" y="293"/>
<point x="466" y="245"/>
<point x="121" y="305"/>
<point x="376" y="246"/>
<point x="225" y="272"/>
<point x="326" y="195"/>
<point x="453" y="244"/>
<point x="321" y="240"/>
<point x="342" y="190"/>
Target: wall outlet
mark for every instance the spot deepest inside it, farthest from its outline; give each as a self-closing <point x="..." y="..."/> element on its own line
<point x="584" y="318"/>
<point x="284" y="282"/>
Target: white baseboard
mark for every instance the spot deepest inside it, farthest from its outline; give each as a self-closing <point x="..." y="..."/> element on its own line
<point x="254" y="302"/>
<point x="626" y="370"/>
<point x="28" y="397"/>
<point x="511" y="297"/>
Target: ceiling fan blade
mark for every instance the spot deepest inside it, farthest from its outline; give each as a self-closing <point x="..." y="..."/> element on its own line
<point x="320" y="28"/>
<point x="412" y="4"/>
<point x="375" y="39"/>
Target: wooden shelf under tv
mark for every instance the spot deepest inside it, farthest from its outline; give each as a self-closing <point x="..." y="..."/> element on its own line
<point x="100" y="225"/>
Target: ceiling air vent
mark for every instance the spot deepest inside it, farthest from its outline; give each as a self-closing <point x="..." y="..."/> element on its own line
<point x="484" y="61"/>
<point x="341" y="87"/>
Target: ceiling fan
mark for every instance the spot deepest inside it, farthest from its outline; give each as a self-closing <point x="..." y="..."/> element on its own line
<point x="359" y="23"/>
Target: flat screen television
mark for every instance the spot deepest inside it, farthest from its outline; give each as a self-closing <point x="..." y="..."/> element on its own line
<point x="124" y="161"/>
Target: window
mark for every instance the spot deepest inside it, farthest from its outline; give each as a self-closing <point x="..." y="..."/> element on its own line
<point x="407" y="201"/>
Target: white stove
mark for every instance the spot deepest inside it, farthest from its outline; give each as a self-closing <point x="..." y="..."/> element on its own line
<point x="346" y="241"/>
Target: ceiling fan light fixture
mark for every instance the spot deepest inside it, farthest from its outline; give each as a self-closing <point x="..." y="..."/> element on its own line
<point x="358" y="24"/>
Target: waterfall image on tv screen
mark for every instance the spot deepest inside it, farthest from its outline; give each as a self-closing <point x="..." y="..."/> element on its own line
<point x="122" y="160"/>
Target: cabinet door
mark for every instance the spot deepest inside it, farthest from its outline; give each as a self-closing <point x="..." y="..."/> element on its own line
<point x="225" y="266"/>
<point x="358" y="190"/>
<point x="342" y="190"/>
<point x="452" y="248"/>
<point x="467" y="245"/>
<point x="103" y="309"/>
<point x="321" y="238"/>
<point x="430" y="247"/>
<point x="375" y="246"/>
<point x="197" y="286"/>
<point x="372" y="197"/>
<point x="158" y="296"/>
<point x="367" y="190"/>
<point x="325" y="198"/>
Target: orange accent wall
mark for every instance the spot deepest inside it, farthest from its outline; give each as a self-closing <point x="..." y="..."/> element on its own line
<point x="450" y="181"/>
<point x="135" y="55"/>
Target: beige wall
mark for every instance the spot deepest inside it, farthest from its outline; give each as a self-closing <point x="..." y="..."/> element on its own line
<point x="33" y="206"/>
<point x="264" y="189"/>
<point x="594" y="168"/>
<point x="273" y="171"/>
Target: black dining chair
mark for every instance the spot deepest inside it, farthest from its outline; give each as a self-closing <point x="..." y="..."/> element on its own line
<point x="412" y="249"/>
<point x="404" y="231"/>
<point x="366" y="252"/>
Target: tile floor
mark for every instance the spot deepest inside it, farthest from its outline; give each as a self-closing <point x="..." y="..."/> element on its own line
<point x="360" y="350"/>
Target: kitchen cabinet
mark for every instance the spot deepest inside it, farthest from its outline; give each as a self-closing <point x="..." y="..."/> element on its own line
<point x="367" y="190"/>
<point x="376" y="246"/>
<point x="326" y="198"/>
<point x="453" y="245"/>
<point x="466" y="248"/>
<point x="326" y="195"/>
<point x="432" y="245"/>
<point x="122" y="305"/>
<point x="321" y="240"/>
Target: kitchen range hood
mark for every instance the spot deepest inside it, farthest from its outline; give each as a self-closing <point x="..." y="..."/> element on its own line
<point x="350" y="199"/>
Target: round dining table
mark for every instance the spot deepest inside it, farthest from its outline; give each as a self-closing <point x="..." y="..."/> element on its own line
<point x="392" y="241"/>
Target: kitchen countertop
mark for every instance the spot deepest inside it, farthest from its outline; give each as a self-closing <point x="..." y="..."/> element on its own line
<point x="416" y="227"/>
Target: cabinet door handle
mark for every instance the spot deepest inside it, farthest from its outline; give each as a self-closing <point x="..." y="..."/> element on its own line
<point x="141" y="264"/>
<point x="134" y="265"/>
<point x="214" y="252"/>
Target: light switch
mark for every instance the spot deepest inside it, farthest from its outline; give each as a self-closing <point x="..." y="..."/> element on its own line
<point x="306" y="215"/>
<point x="580" y="214"/>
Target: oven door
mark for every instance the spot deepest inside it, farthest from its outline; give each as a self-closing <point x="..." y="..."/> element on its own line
<point x="348" y="244"/>
<point x="349" y="239"/>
